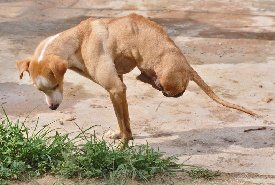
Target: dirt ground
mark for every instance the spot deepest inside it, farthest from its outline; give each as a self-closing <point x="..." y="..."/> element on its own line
<point x="230" y="43"/>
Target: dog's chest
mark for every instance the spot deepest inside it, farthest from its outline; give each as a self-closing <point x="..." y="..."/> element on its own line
<point x="124" y="64"/>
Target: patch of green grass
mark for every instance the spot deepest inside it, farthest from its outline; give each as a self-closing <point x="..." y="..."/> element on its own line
<point x="98" y="158"/>
<point x="197" y="172"/>
<point x="23" y="154"/>
<point x="27" y="154"/>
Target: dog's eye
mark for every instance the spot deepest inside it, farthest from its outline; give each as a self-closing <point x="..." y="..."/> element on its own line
<point x="55" y="87"/>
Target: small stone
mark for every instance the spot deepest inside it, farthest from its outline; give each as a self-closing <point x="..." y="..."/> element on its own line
<point x="71" y="119"/>
<point x="267" y="99"/>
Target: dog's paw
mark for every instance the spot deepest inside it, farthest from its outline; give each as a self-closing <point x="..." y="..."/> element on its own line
<point x="113" y="134"/>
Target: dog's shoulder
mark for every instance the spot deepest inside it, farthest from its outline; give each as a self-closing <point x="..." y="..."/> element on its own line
<point x="132" y="18"/>
<point x="135" y="23"/>
<point x="84" y="25"/>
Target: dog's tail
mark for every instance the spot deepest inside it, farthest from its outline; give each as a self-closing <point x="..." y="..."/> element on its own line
<point x="200" y="82"/>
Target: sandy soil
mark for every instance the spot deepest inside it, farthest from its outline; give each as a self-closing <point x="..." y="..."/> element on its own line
<point x="231" y="45"/>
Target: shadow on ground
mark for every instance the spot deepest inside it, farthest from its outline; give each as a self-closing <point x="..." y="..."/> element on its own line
<point x="216" y="140"/>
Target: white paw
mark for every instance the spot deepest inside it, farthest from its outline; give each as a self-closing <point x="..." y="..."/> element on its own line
<point x="113" y="134"/>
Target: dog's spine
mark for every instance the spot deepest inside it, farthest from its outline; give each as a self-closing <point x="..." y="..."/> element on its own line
<point x="201" y="83"/>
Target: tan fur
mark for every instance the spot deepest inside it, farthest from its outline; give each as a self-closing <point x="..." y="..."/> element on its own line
<point x="105" y="49"/>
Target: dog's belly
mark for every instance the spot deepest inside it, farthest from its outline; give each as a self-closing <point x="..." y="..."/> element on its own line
<point x="124" y="65"/>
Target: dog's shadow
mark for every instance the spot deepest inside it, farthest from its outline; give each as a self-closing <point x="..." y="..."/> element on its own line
<point x="216" y="140"/>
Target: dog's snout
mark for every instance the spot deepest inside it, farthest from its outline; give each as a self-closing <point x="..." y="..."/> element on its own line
<point x="54" y="107"/>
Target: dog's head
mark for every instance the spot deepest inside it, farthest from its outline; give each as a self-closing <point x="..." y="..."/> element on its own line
<point x="47" y="76"/>
<point x="174" y="84"/>
<point x="173" y="76"/>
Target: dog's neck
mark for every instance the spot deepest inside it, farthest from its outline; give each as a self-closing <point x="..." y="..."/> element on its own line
<point x="70" y="39"/>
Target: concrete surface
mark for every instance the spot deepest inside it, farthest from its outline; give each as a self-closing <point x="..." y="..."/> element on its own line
<point x="231" y="45"/>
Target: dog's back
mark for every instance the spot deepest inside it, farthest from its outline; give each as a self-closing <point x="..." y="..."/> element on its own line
<point x="134" y="38"/>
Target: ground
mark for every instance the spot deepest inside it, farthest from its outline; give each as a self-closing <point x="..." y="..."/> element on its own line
<point x="231" y="45"/>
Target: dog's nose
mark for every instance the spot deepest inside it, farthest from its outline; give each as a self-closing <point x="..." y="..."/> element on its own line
<point x="53" y="107"/>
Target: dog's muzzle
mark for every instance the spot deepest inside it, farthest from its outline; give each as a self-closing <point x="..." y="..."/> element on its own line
<point x="54" y="107"/>
<point x="175" y="96"/>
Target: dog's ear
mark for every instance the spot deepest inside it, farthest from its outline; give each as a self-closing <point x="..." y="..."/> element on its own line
<point x="23" y="65"/>
<point x="58" y="67"/>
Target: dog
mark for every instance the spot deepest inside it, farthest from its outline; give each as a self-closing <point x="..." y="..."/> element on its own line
<point x="103" y="50"/>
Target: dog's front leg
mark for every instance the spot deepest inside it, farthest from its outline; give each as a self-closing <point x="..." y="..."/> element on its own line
<point x="118" y="97"/>
<point x="99" y="59"/>
<point x="154" y="81"/>
<point x="107" y="77"/>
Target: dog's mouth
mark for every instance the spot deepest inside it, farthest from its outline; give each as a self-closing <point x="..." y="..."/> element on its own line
<point x="174" y="96"/>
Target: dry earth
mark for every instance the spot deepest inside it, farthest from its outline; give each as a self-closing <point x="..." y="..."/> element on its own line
<point x="231" y="45"/>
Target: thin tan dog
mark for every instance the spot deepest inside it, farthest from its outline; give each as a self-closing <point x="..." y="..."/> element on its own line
<point x="105" y="49"/>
